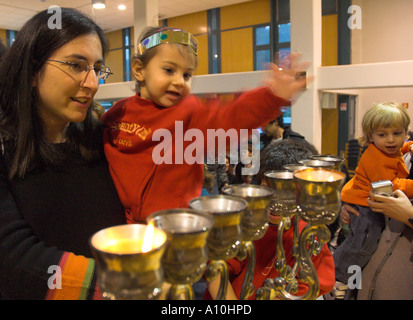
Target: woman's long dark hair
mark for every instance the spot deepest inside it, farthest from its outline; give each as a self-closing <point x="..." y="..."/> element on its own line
<point x="20" y="123"/>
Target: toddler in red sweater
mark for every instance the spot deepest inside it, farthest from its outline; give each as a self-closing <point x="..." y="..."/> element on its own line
<point x="149" y="140"/>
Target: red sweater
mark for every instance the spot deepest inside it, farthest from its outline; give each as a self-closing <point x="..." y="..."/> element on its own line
<point x="266" y="256"/>
<point x="373" y="166"/>
<point x="145" y="187"/>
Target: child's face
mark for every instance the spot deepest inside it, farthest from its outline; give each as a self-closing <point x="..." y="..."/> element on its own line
<point x="167" y="78"/>
<point x="389" y="140"/>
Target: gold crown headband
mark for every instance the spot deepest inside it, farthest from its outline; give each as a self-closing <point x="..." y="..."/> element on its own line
<point x="169" y="36"/>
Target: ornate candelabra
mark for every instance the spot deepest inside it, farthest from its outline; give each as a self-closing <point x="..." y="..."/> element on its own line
<point x="218" y="228"/>
<point x="312" y="195"/>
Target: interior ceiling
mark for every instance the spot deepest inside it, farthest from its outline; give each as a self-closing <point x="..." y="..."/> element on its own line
<point x="13" y="14"/>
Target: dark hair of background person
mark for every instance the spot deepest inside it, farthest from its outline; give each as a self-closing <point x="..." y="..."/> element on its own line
<point x="20" y="123"/>
<point x="279" y="153"/>
<point x="3" y="49"/>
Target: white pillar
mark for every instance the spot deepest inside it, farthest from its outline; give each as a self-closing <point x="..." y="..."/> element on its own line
<point x="306" y="35"/>
<point x="146" y="14"/>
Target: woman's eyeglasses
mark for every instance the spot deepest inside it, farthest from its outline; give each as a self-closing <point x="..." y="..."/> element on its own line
<point x="82" y="66"/>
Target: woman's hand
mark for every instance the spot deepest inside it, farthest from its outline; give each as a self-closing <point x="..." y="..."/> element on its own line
<point x="345" y="213"/>
<point x="284" y="81"/>
<point x="397" y="207"/>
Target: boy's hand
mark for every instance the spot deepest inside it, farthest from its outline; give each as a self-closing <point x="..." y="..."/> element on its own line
<point x="284" y="82"/>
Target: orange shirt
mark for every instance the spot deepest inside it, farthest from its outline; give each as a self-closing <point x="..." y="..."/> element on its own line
<point x="373" y="166"/>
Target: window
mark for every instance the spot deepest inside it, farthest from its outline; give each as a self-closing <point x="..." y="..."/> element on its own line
<point x="127" y="52"/>
<point x="284" y="33"/>
<point x="214" y="41"/>
<point x="10" y="36"/>
<point x="106" y="105"/>
<point x="262" y="46"/>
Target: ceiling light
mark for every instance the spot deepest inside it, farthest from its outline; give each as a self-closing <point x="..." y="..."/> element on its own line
<point x="121" y="7"/>
<point x="99" y="4"/>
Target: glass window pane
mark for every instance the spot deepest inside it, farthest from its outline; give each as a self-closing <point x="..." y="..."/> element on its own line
<point x="284" y="34"/>
<point x="287" y="116"/>
<point x="127" y="66"/>
<point x="262" y="36"/>
<point x="282" y="54"/>
<point x="263" y="57"/>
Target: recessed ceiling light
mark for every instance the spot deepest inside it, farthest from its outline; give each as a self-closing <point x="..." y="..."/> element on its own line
<point x="121" y="7"/>
<point x="98" y="4"/>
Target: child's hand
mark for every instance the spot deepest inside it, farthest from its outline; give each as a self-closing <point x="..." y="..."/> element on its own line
<point x="284" y="82"/>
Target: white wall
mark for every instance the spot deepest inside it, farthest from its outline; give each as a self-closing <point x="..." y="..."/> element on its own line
<point x="386" y="36"/>
<point x="386" y="33"/>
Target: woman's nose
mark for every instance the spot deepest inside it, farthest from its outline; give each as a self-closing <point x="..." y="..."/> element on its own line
<point x="90" y="81"/>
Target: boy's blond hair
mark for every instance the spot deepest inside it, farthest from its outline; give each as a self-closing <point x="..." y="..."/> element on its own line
<point x="384" y="115"/>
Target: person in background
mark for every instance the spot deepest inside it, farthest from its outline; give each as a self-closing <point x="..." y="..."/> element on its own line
<point x="385" y="127"/>
<point x="149" y="174"/>
<point x="229" y="169"/>
<point x="276" y="130"/>
<point x="273" y="157"/>
<point x="219" y="175"/>
<point x="55" y="186"/>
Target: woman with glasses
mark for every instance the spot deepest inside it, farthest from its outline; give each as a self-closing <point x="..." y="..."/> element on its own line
<point x="55" y="187"/>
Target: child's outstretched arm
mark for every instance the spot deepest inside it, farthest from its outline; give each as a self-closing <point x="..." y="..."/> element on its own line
<point x="286" y="82"/>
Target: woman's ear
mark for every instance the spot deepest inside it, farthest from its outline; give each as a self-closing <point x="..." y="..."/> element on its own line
<point x="137" y="70"/>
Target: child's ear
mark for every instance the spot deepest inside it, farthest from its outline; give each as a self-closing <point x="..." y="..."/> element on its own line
<point x="137" y="70"/>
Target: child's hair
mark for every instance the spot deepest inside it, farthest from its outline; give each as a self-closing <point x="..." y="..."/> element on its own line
<point x="384" y="115"/>
<point x="147" y="55"/>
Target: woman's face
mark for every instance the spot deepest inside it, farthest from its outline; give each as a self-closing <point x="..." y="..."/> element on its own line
<point x="63" y="95"/>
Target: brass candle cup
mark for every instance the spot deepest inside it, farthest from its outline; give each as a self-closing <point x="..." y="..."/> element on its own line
<point x="186" y="255"/>
<point x="330" y="158"/>
<point x="226" y="235"/>
<point x="254" y="222"/>
<point x="224" y="240"/>
<point x="295" y="166"/>
<point x="283" y="203"/>
<point x="314" y="163"/>
<point x="318" y="194"/>
<point x="124" y="271"/>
